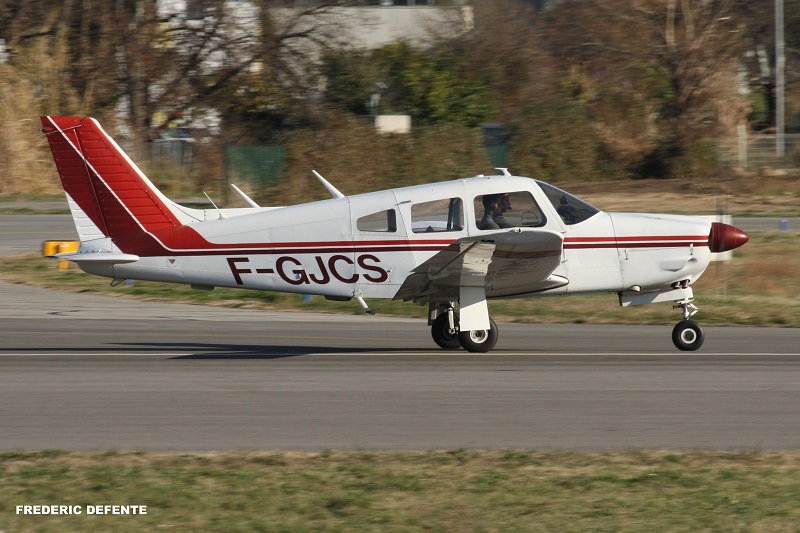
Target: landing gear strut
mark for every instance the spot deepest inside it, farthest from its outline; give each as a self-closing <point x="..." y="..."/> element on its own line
<point x="446" y="334"/>
<point x="444" y="330"/>
<point x="687" y="335"/>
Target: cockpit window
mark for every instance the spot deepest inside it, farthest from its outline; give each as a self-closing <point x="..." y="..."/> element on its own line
<point x="571" y="209"/>
<point x="505" y="209"/>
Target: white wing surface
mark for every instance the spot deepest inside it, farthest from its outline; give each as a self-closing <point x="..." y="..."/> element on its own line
<point x="504" y="263"/>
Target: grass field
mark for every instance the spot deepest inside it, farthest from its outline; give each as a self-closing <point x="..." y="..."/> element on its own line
<point x="761" y="286"/>
<point x="447" y="491"/>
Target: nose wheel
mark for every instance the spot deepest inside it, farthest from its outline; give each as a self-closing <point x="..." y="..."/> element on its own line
<point x="688" y="335"/>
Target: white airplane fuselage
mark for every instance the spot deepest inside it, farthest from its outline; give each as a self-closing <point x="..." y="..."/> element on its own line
<point x="318" y="248"/>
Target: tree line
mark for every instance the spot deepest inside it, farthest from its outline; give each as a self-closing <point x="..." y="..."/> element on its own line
<point x="589" y="89"/>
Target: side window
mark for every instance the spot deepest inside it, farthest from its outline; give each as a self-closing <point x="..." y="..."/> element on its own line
<point x="385" y="221"/>
<point x="446" y="214"/>
<point x="517" y="209"/>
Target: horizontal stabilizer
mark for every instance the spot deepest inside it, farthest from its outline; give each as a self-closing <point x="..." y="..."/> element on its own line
<point x="109" y="258"/>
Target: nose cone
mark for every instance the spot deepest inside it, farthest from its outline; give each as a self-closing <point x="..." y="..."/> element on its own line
<point x="724" y="237"/>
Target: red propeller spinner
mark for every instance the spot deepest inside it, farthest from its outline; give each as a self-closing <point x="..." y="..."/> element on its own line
<point x="724" y="237"/>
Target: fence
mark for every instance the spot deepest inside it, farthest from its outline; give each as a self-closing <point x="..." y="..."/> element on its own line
<point x="759" y="151"/>
<point x="253" y="167"/>
<point x="176" y="151"/>
<point x="257" y="167"/>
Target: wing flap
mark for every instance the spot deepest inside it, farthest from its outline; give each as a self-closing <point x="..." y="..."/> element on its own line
<point x="503" y="263"/>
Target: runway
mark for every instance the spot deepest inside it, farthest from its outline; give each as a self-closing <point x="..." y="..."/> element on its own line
<point x="83" y="372"/>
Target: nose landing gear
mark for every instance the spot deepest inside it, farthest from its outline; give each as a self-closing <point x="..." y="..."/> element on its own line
<point x="687" y="335"/>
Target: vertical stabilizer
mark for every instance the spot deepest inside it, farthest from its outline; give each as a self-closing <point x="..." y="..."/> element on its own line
<point x="87" y="230"/>
<point x="109" y="190"/>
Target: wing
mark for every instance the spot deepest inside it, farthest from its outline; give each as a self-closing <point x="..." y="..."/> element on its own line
<point x="504" y="263"/>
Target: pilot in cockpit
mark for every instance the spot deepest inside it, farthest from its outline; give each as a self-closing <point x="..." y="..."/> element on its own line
<point x="495" y="205"/>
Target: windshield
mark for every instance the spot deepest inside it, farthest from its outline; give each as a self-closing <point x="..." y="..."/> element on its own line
<point x="571" y="209"/>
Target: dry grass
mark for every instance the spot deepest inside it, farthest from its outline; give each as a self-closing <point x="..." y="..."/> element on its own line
<point x="25" y="165"/>
<point x="36" y="83"/>
<point x="456" y="490"/>
<point x="739" y="194"/>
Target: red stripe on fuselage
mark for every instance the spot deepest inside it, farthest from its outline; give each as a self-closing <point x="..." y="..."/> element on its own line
<point x="639" y="241"/>
<point x="185" y="240"/>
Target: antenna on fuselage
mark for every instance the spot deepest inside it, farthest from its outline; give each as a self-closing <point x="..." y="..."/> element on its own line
<point x="331" y="189"/>
<point x="503" y="170"/>
<point x="221" y="214"/>
<point x="249" y="201"/>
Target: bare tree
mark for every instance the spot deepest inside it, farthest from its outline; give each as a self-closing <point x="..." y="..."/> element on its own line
<point x="693" y="47"/>
<point x="151" y="57"/>
<point x="759" y="60"/>
<point x="281" y="80"/>
<point x="667" y="68"/>
<point x="507" y="47"/>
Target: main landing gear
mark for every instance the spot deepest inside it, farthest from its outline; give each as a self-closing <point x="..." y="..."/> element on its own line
<point x="687" y="335"/>
<point x="446" y="334"/>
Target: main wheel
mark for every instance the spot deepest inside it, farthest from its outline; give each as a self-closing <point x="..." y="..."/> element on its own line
<point x="481" y="340"/>
<point x="440" y="331"/>
<point x="688" y="335"/>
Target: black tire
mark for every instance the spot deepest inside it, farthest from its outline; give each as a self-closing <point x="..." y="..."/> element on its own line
<point x="688" y="335"/>
<point x="441" y="334"/>
<point x="479" y="341"/>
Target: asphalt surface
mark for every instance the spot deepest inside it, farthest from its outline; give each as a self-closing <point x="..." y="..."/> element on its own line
<point x="21" y="234"/>
<point x="83" y="372"/>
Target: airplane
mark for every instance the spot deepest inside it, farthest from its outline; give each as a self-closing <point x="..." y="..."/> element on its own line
<point x="451" y="245"/>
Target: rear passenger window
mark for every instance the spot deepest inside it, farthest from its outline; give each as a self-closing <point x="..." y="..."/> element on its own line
<point x="446" y="214"/>
<point x="382" y="221"/>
